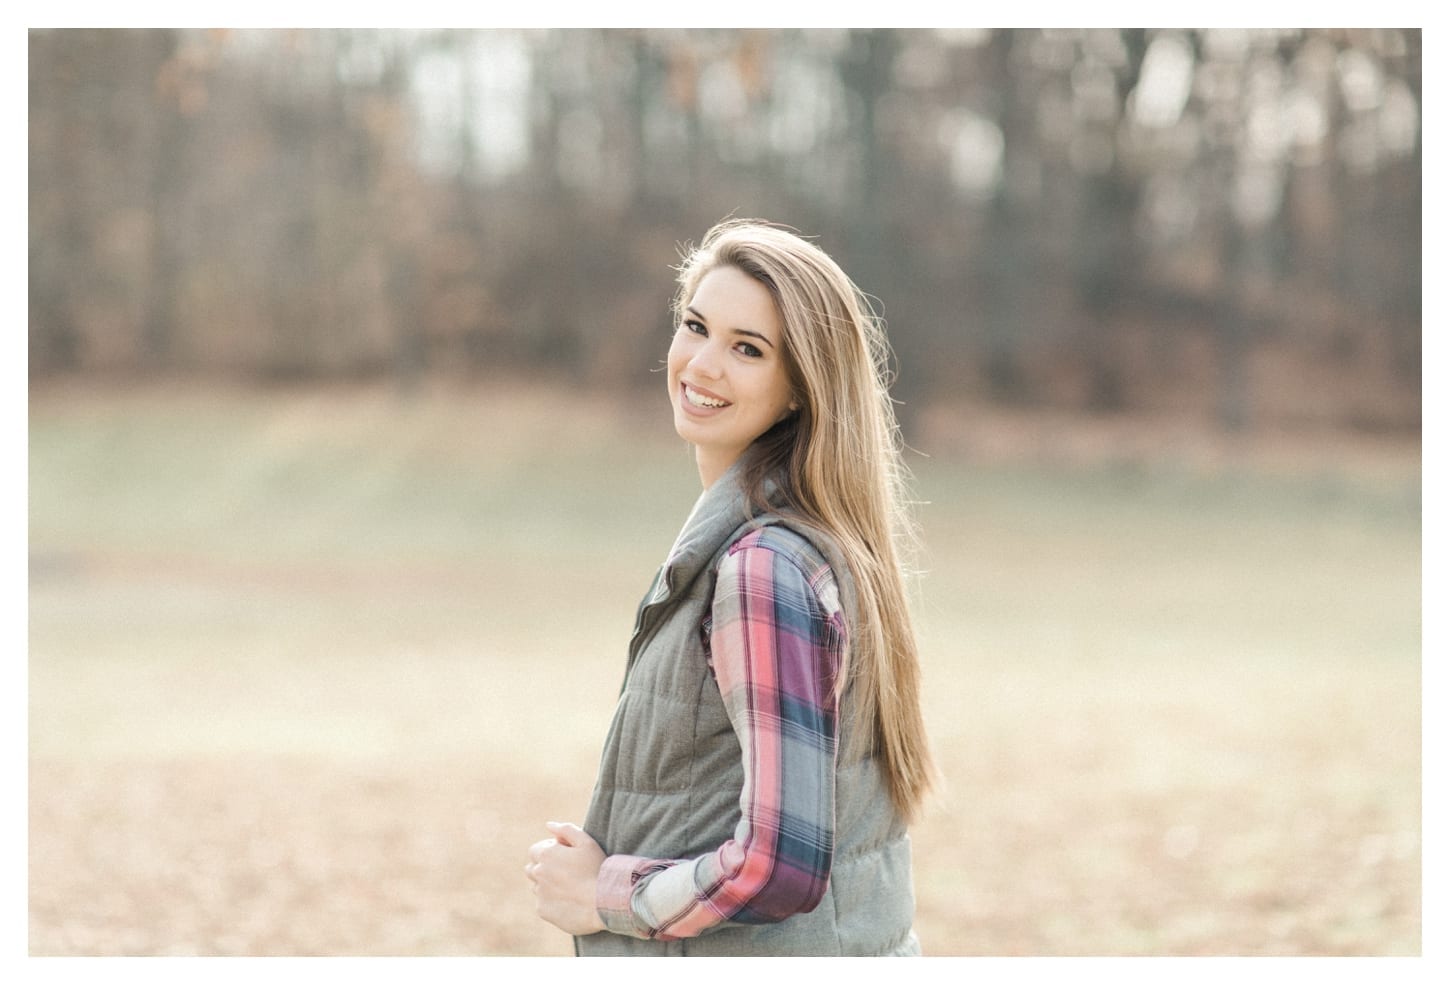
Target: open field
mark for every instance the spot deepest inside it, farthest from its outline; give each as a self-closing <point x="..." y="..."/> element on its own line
<point x="309" y="669"/>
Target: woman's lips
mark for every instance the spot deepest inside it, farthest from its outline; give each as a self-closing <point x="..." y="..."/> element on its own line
<point x="700" y="400"/>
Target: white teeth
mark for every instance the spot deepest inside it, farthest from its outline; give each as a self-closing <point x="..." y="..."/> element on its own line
<point x="700" y="400"/>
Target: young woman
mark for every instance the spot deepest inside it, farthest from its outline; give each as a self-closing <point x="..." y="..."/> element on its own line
<point x="767" y="750"/>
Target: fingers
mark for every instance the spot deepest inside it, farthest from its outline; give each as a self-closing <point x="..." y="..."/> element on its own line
<point x="538" y="851"/>
<point x="567" y="834"/>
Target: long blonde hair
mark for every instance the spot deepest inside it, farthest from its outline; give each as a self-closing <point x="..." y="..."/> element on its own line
<point x="838" y="465"/>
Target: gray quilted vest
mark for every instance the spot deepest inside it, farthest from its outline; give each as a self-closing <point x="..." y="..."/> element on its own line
<point x="670" y="775"/>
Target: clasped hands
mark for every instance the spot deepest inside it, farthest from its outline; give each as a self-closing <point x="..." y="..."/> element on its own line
<point x="564" y="870"/>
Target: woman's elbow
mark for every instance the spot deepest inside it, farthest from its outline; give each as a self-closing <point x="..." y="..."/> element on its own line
<point x="788" y="893"/>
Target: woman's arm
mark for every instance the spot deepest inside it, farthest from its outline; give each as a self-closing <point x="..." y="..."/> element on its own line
<point x="775" y="652"/>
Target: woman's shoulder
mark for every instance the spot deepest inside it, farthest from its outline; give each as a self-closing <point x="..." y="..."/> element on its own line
<point x="798" y="568"/>
<point x="790" y="544"/>
<point x="775" y="535"/>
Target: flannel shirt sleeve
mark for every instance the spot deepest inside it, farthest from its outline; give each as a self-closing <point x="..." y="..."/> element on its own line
<point x="775" y="654"/>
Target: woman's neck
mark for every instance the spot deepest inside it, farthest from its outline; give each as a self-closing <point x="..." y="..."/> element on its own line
<point x="711" y="466"/>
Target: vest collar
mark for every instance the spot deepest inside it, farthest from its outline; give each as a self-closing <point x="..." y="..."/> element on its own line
<point x="720" y="511"/>
<point x="722" y="515"/>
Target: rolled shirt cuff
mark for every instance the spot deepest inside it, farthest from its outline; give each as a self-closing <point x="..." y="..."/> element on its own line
<point x="614" y="893"/>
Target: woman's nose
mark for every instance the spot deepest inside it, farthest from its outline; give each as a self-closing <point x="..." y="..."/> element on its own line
<point x="706" y="360"/>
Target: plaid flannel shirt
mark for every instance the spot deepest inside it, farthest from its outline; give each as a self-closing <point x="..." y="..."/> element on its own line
<point x="776" y="636"/>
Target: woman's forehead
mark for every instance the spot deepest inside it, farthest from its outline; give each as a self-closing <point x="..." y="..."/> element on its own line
<point x="737" y="300"/>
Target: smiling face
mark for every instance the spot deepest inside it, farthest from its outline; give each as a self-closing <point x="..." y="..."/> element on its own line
<point x="727" y="370"/>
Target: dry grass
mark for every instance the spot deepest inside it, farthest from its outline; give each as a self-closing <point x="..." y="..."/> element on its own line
<point x="299" y="683"/>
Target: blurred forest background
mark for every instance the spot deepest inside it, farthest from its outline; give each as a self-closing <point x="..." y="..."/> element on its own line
<point x="1223" y="224"/>
<point x="340" y="353"/>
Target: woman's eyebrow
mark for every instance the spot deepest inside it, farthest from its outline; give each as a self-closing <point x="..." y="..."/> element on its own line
<point x="738" y="331"/>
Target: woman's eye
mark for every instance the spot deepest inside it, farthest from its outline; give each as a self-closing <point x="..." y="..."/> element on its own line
<point x="747" y="349"/>
<point x="696" y="327"/>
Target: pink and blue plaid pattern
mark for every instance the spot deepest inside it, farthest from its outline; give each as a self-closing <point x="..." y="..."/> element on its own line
<point x="776" y="637"/>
